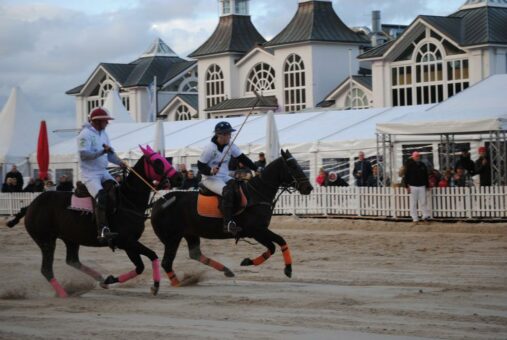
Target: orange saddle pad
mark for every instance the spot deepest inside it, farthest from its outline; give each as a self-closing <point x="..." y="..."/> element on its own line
<point x="208" y="206"/>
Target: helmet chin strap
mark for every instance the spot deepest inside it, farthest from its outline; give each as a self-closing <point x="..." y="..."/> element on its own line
<point x="259" y="97"/>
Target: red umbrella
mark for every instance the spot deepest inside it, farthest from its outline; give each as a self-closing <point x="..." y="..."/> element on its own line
<point x="43" y="151"/>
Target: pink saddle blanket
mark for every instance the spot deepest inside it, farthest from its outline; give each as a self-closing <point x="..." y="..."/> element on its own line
<point x="83" y="204"/>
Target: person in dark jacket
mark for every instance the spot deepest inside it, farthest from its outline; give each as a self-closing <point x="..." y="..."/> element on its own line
<point x="483" y="168"/>
<point x="65" y="184"/>
<point x="14" y="173"/>
<point x="30" y="187"/>
<point x="417" y="181"/>
<point x="466" y="163"/>
<point x="334" y="180"/>
<point x="362" y="171"/>
<point x="261" y="162"/>
<point x="190" y="181"/>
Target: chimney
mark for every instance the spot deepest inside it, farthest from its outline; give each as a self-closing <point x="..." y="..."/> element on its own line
<point x="375" y="27"/>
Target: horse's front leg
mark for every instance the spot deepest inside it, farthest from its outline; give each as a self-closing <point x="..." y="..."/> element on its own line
<point x="266" y="238"/>
<point x="134" y="251"/>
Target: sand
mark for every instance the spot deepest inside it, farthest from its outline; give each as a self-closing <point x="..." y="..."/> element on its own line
<point x="352" y="279"/>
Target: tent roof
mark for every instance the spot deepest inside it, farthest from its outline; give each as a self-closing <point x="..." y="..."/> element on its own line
<point x="480" y="108"/>
<point x="16" y="119"/>
<point x="116" y="108"/>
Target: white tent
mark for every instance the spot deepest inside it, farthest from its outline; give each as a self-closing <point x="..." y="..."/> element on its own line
<point x="481" y="108"/>
<point x="116" y="108"/>
<point x="19" y="126"/>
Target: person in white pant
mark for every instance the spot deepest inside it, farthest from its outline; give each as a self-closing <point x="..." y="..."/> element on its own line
<point x="95" y="153"/>
<point x="214" y="166"/>
<point x="417" y="182"/>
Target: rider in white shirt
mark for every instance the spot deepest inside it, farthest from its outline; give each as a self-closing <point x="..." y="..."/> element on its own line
<point x="214" y="166"/>
<point x="95" y="153"/>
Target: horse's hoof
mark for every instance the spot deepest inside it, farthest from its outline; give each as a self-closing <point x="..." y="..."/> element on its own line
<point x="228" y="272"/>
<point x="247" y="262"/>
<point x="103" y="285"/>
<point x="154" y="290"/>
<point x="109" y="280"/>
<point x="288" y="270"/>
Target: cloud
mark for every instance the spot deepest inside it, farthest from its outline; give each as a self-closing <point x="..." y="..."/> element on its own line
<point x="47" y="48"/>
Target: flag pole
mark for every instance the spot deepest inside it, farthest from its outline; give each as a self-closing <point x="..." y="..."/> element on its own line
<point x="155" y="109"/>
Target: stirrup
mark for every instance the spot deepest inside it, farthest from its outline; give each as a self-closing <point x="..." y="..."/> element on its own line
<point x="106" y="234"/>
<point x="232" y="228"/>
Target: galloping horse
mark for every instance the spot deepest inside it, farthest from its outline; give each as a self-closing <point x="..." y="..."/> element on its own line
<point x="48" y="218"/>
<point x="181" y="219"/>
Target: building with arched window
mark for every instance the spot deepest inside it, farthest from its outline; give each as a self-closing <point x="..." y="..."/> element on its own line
<point x="158" y="67"/>
<point x="236" y="61"/>
<point x="437" y="57"/>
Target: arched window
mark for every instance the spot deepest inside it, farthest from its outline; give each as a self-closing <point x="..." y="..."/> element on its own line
<point x="261" y="78"/>
<point x="429" y="72"/>
<point x="105" y="87"/>
<point x="189" y="83"/>
<point x="215" y="91"/>
<point x="295" y="83"/>
<point x="183" y="113"/>
<point x="357" y="99"/>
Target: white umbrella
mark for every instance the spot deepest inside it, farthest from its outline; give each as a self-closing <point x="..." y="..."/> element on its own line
<point x="272" y="141"/>
<point x="159" y="138"/>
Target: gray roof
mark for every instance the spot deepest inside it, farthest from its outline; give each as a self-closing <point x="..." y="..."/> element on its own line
<point x="468" y="27"/>
<point x="316" y="21"/>
<point x="245" y="103"/>
<point x="142" y="71"/>
<point x="190" y="99"/>
<point x="366" y="81"/>
<point x="234" y="33"/>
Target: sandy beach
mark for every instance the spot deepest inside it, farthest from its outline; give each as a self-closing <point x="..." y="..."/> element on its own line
<point x="352" y="279"/>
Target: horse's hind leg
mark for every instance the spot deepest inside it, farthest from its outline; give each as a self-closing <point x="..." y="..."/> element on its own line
<point x="194" y="250"/>
<point x="73" y="261"/>
<point x="265" y="241"/>
<point x="48" y="251"/>
<point x="287" y="257"/>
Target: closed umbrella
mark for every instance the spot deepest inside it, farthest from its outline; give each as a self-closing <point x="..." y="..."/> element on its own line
<point x="43" y="151"/>
<point x="159" y="145"/>
<point x="272" y="141"/>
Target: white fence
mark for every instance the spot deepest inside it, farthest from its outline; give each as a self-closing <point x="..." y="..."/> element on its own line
<point x="457" y="203"/>
<point x="453" y="203"/>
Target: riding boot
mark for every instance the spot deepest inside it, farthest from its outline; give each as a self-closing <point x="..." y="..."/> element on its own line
<point x="228" y="209"/>
<point x="104" y="233"/>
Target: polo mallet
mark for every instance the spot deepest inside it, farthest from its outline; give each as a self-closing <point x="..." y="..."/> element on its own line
<point x="259" y="98"/>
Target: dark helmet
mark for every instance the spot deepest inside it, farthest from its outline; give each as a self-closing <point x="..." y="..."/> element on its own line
<point x="223" y="127"/>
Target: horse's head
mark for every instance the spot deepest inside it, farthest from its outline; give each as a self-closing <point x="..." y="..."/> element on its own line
<point x="156" y="167"/>
<point x="294" y="175"/>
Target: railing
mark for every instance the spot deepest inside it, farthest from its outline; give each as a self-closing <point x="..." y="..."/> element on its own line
<point x="453" y="203"/>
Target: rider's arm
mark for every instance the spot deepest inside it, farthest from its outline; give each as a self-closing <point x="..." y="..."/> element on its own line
<point x="204" y="168"/>
<point x="113" y="158"/>
<point x="247" y="161"/>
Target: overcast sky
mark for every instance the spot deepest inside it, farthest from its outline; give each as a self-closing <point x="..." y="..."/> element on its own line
<point x="48" y="47"/>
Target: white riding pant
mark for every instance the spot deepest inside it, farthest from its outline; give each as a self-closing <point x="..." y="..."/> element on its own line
<point x="93" y="182"/>
<point x="419" y="195"/>
<point x="215" y="183"/>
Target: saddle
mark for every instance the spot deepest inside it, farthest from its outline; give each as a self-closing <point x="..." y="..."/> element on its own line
<point x="208" y="203"/>
<point x="82" y="201"/>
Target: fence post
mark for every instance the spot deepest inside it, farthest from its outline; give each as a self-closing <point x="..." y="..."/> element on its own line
<point x="11" y="205"/>
<point x="358" y="200"/>
<point x="392" y="196"/>
<point x="293" y="199"/>
<point x="468" y="202"/>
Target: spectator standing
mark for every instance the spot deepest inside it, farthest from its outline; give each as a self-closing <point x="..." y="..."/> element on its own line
<point x="14" y="173"/>
<point x="362" y="171"/>
<point x="261" y="162"/>
<point x="375" y="178"/>
<point x="190" y="182"/>
<point x="466" y="163"/>
<point x="459" y="179"/>
<point x="483" y="168"/>
<point x="416" y="180"/>
<point x="446" y="179"/>
<point x="30" y="187"/>
<point x="65" y="184"/>
<point x="321" y="178"/>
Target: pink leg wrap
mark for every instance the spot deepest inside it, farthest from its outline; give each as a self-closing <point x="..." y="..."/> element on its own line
<point x="59" y="289"/>
<point x="127" y="276"/>
<point x="156" y="270"/>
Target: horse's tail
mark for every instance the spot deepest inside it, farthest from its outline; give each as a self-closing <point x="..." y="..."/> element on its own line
<point x="17" y="217"/>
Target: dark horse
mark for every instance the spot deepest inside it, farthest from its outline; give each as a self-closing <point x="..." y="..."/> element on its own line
<point x="180" y="220"/>
<point x="48" y="218"/>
